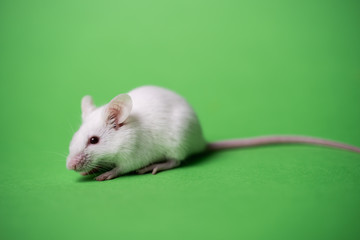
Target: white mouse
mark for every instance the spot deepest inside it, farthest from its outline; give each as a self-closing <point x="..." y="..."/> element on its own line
<point x="150" y="129"/>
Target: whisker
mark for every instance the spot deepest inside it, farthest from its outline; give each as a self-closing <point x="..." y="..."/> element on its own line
<point x="57" y="153"/>
<point x="71" y="127"/>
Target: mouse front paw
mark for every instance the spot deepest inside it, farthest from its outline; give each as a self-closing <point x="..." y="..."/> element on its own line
<point x="114" y="173"/>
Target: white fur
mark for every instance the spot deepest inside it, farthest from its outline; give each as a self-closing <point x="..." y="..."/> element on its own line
<point x="161" y="126"/>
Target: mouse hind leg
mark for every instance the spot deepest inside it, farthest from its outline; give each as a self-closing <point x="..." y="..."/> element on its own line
<point x="157" y="167"/>
<point x="113" y="173"/>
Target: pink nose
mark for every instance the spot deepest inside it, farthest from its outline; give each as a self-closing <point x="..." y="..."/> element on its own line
<point x="71" y="165"/>
<point x="76" y="162"/>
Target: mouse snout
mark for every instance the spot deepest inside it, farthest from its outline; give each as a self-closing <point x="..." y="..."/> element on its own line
<point x="76" y="162"/>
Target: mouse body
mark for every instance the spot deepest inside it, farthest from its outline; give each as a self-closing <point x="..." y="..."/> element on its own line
<point x="151" y="129"/>
<point x="148" y="125"/>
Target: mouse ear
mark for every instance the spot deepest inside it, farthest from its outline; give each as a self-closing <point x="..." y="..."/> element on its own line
<point x="118" y="110"/>
<point x="87" y="106"/>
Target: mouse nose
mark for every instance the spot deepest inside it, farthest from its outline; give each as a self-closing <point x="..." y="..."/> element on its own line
<point x="70" y="163"/>
<point x="71" y="166"/>
<point x="75" y="162"/>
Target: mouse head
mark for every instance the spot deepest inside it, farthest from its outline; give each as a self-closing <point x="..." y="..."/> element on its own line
<point x="102" y="133"/>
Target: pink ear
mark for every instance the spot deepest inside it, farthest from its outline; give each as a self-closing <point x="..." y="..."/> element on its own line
<point x="87" y="106"/>
<point x="118" y="110"/>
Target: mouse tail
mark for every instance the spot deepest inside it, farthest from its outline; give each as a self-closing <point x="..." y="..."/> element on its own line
<point x="269" y="140"/>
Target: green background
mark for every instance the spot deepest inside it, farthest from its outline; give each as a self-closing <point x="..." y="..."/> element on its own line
<point x="248" y="68"/>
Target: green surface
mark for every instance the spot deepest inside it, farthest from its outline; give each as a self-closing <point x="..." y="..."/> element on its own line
<point x="248" y="67"/>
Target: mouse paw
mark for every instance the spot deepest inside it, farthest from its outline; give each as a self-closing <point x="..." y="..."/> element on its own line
<point x="157" y="167"/>
<point x="114" y="173"/>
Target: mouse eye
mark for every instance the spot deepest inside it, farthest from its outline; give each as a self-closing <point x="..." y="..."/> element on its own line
<point x="94" y="140"/>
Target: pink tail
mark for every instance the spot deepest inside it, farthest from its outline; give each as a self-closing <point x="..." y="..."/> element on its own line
<point x="267" y="140"/>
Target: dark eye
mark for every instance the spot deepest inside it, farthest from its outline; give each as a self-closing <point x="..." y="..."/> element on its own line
<point x="94" y="140"/>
